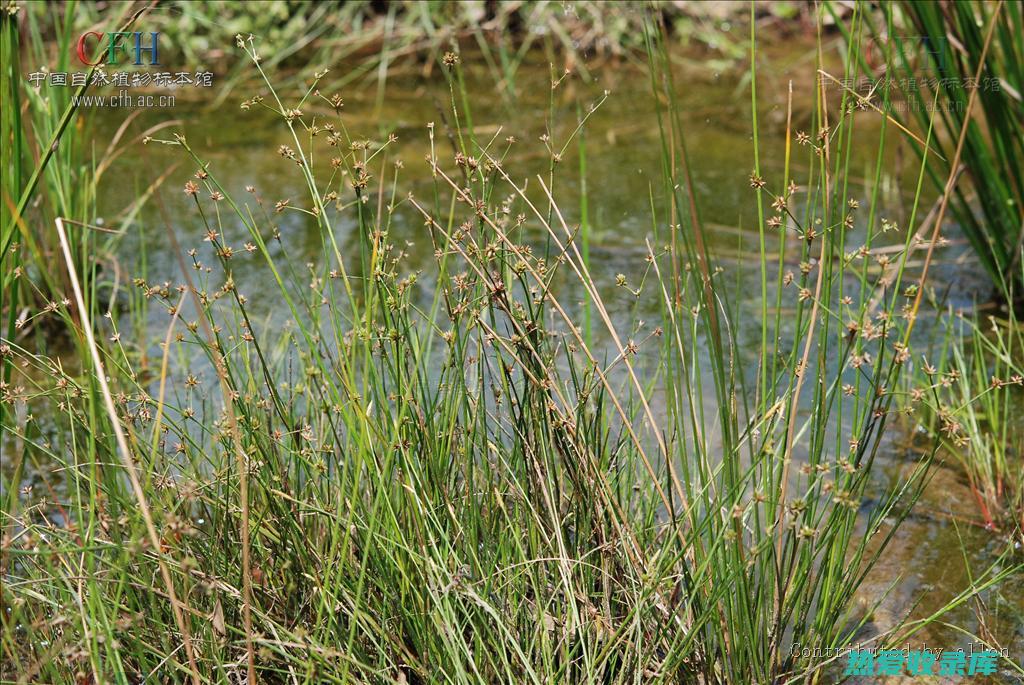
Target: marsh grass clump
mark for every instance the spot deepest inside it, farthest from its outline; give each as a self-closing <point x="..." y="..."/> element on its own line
<point x="969" y="398"/>
<point x="49" y="170"/>
<point x="381" y="481"/>
<point x="406" y="36"/>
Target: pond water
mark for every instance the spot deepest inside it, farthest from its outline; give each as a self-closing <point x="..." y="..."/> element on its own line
<point x="623" y="173"/>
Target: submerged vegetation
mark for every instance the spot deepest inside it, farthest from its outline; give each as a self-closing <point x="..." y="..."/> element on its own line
<point x="474" y="470"/>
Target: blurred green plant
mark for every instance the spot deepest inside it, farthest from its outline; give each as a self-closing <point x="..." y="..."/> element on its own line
<point x="931" y="53"/>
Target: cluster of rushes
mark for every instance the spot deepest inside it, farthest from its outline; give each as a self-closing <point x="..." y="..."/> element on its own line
<point x="473" y="482"/>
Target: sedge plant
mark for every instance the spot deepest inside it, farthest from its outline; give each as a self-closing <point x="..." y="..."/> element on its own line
<point x="440" y="475"/>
